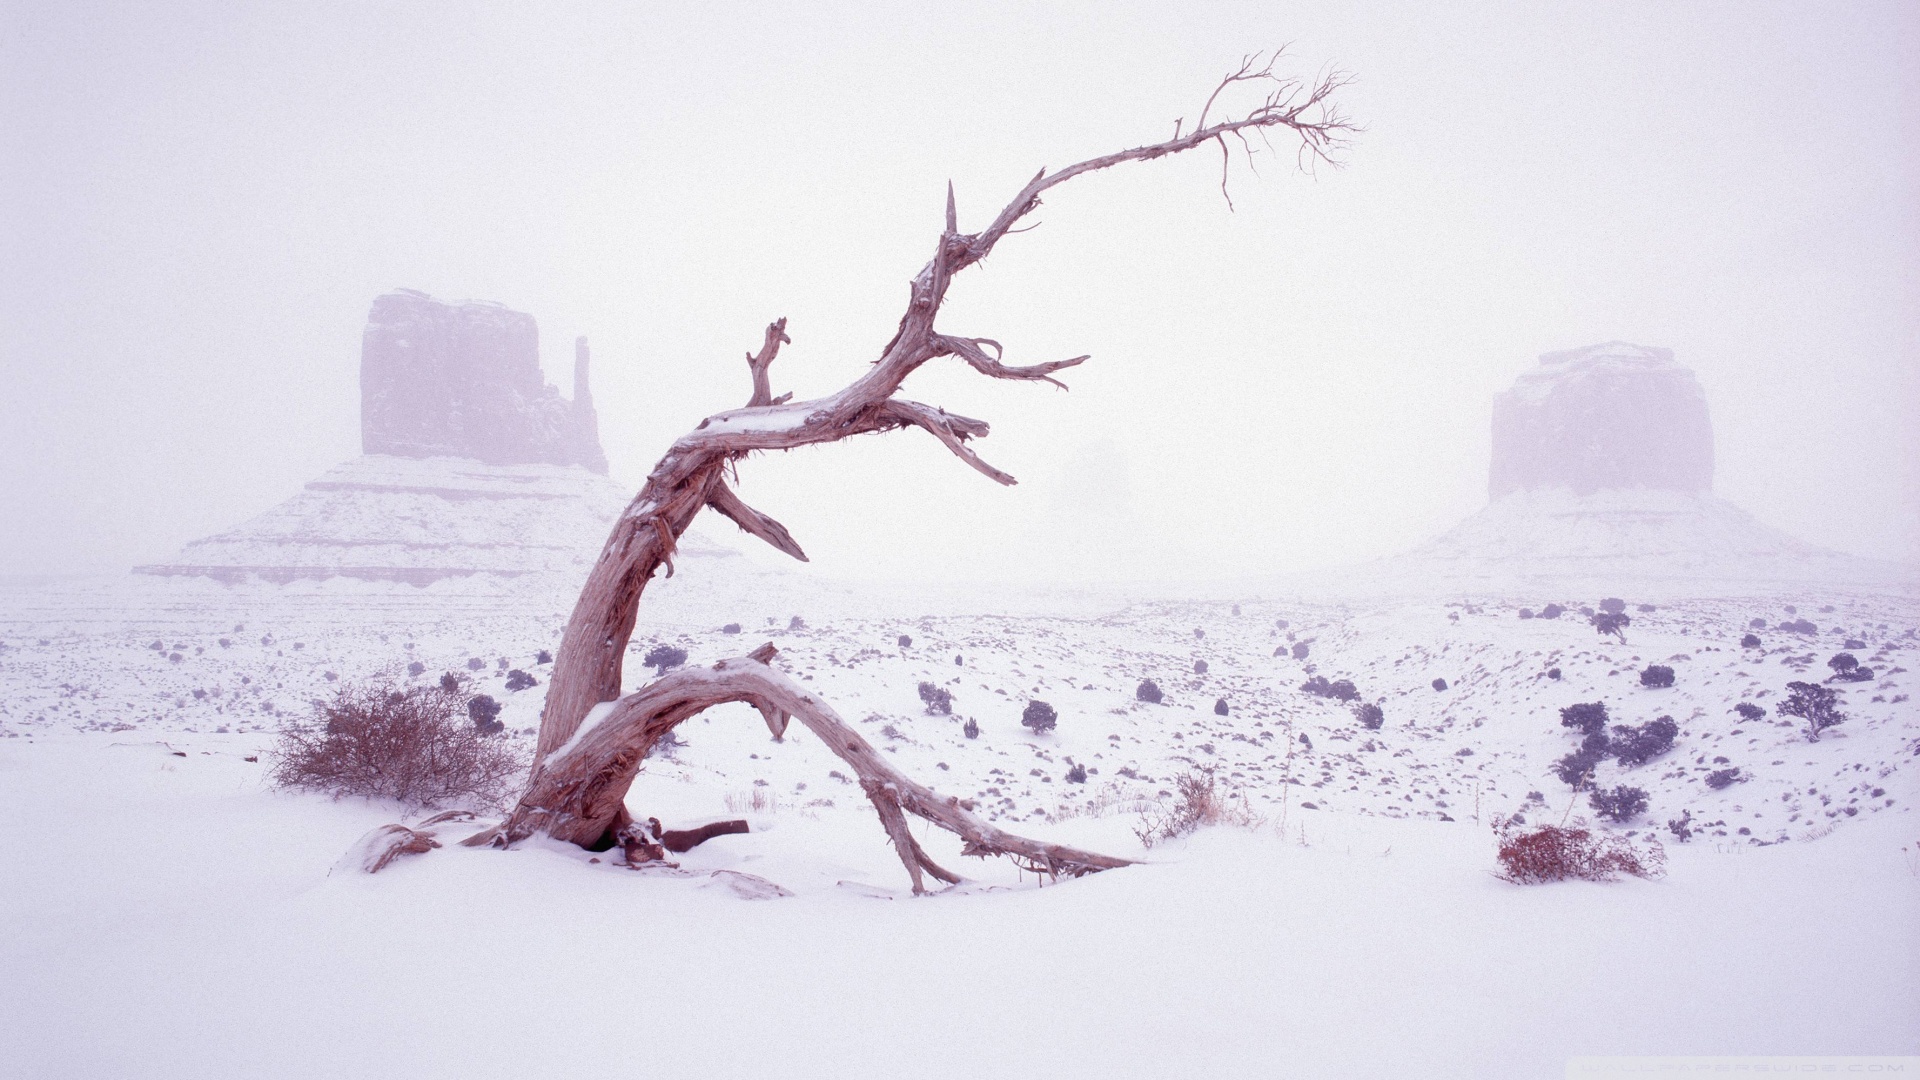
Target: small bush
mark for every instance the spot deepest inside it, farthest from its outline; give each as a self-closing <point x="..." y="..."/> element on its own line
<point x="1750" y="641"/>
<point x="938" y="699"/>
<point x="1219" y="706"/>
<point x="1148" y="692"/>
<point x="1338" y="689"/>
<point x="1756" y="624"/>
<point x="1682" y="826"/>
<point x="1798" y="626"/>
<point x="450" y="682"/>
<point x="1749" y="711"/>
<point x="520" y="680"/>
<point x="1370" y="716"/>
<point x="971" y="730"/>
<point x="1632" y="746"/>
<point x="408" y="745"/>
<point x="1526" y="613"/>
<point x="1552" y="853"/>
<point x="1724" y="778"/>
<point x="1439" y="684"/>
<point x="1817" y="705"/>
<point x="904" y="642"/>
<point x="796" y="623"/>
<point x="1588" y="717"/>
<point x="485" y="714"/>
<point x="1847" y="669"/>
<point x="474" y="663"/>
<point x="1613" y="605"/>
<point x="1199" y="667"/>
<point x="1077" y="775"/>
<point x="1299" y="650"/>
<point x="662" y="657"/>
<point x="1552" y="611"/>
<point x="1039" y="716"/>
<point x="1576" y="769"/>
<point x="1656" y="677"/>
<point x="730" y="628"/>
<point x="543" y="657"/>
<point x="416" y="668"/>
<point x="1553" y="673"/>
<point x="1613" y="622"/>
<point x="1853" y="643"/>
<point x="1197" y="803"/>
<point x="1619" y="804"/>
<point x="1645" y="608"/>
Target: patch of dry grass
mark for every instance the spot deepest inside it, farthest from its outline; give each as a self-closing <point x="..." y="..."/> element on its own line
<point x="1197" y="803"/>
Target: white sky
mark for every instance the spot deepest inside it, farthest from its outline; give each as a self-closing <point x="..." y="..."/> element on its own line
<point x="203" y="200"/>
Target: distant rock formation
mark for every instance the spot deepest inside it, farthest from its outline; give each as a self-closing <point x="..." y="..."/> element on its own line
<point x="1602" y="478"/>
<point x="1607" y="416"/>
<point x="422" y="520"/>
<point x="474" y="468"/>
<point x="464" y="380"/>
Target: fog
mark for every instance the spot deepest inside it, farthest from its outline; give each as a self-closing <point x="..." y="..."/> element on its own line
<point x="203" y="200"/>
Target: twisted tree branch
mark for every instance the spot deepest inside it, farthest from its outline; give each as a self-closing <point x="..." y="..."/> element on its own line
<point x="690" y="477"/>
<point x="578" y="793"/>
<point x="758" y="364"/>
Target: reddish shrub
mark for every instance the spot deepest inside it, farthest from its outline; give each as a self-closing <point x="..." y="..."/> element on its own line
<point x="413" y="745"/>
<point x="1554" y="853"/>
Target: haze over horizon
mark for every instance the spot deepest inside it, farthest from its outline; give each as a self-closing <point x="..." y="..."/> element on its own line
<point x="208" y="198"/>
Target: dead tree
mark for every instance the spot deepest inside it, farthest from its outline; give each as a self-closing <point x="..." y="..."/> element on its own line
<point x="592" y="739"/>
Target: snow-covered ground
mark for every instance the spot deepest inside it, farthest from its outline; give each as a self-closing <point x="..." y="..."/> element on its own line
<point x="169" y="913"/>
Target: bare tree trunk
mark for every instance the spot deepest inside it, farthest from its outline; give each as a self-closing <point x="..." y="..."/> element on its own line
<point x="592" y="740"/>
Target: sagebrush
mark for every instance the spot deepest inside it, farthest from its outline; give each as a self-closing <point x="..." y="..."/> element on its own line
<point x="415" y="745"/>
<point x="1556" y="853"/>
<point x="1197" y="802"/>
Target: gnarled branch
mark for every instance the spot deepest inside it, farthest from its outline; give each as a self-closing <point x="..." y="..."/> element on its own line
<point x="690" y="477"/>
<point x="759" y="363"/>
<point x="722" y="498"/>
<point x="578" y="793"/>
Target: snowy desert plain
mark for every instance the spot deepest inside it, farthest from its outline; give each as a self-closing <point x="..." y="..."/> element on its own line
<point x="170" y="913"/>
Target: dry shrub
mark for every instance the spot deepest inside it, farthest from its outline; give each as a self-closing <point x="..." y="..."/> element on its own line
<point x="753" y="801"/>
<point x="1197" y="803"/>
<point x="414" y="745"/>
<point x="1556" y="853"/>
<point x="1104" y="801"/>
